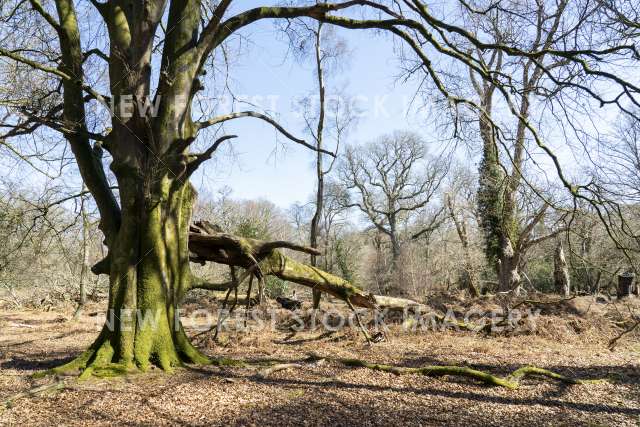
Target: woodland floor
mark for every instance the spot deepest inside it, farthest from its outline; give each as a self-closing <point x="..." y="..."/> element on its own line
<point x="328" y="394"/>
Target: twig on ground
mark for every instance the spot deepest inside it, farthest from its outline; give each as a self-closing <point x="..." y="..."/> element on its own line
<point x="280" y="367"/>
<point x="614" y="341"/>
<point x="21" y="325"/>
<point x="58" y="385"/>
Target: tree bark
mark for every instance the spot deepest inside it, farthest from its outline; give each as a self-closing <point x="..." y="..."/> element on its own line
<point x="561" y="276"/>
<point x="508" y="267"/>
<point x="315" y="221"/>
<point x="149" y="274"/>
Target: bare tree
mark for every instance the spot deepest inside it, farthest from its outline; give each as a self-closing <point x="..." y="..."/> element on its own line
<point x="327" y="116"/>
<point x="391" y="179"/>
<point x="506" y="231"/>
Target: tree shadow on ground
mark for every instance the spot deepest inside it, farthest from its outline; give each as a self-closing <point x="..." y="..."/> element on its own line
<point x="304" y="412"/>
<point x="475" y="392"/>
<point x="28" y="361"/>
<point x="19" y="319"/>
<point x="473" y="396"/>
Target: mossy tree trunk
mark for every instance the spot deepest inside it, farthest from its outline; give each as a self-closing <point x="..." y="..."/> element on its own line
<point x="149" y="275"/>
<point x="147" y="231"/>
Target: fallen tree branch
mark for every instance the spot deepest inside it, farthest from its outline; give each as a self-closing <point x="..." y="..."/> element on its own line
<point x="537" y="302"/>
<point x="208" y="243"/>
<point x="228" y="249"/>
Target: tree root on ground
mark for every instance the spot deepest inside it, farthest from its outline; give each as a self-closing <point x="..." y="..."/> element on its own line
<point x="511" y="381"/>
<point x="265" y="368"/>
<point x="279" y="367"/>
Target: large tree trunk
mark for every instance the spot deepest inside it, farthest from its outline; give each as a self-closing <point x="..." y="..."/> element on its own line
<point x="147" y="237"/>
<point x="149" y="274"/>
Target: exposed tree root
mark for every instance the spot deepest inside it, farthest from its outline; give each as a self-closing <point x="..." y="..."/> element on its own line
<point x="511" y="381"/>
<point x="268" y="367"/>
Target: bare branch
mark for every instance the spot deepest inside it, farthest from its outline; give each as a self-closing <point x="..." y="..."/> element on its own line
<point x="272" y="122"/>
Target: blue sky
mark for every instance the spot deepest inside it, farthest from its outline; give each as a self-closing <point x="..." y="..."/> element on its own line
<point x="266" y="165"/>
<point x="262" y="164"/>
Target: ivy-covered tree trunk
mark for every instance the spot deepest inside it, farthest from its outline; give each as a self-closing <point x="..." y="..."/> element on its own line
<point x="496" y="213"/>
<point x="497" y="204"/>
